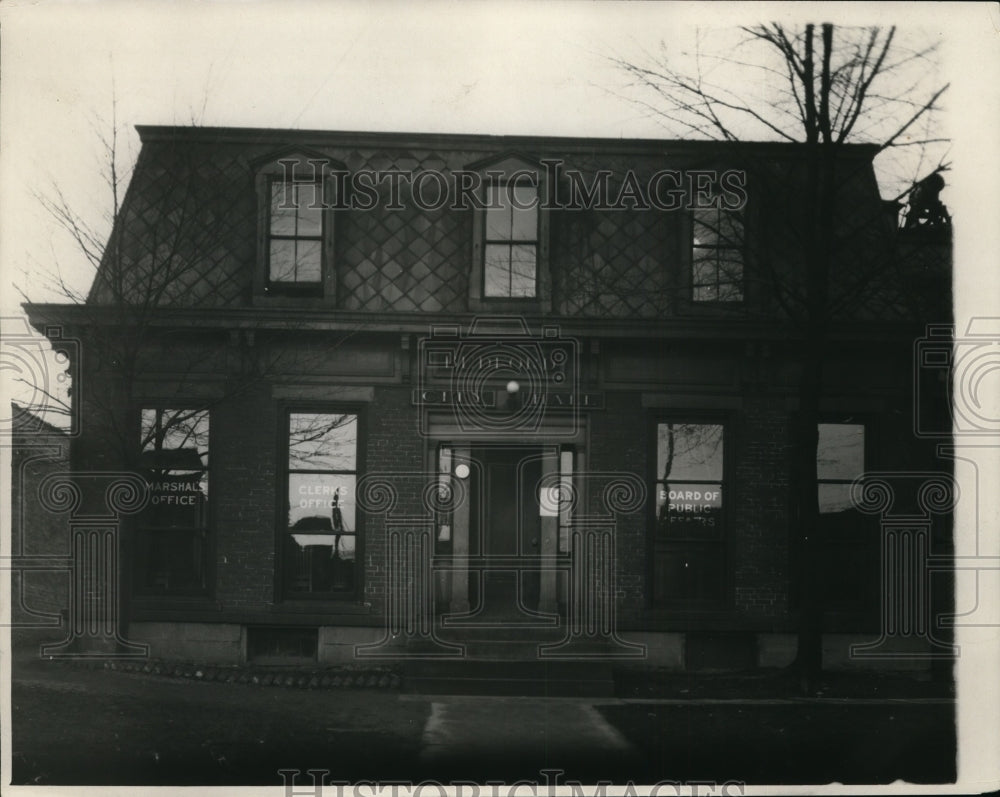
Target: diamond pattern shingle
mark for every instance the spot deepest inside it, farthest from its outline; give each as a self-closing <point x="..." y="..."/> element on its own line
<point x="193" y="241"/>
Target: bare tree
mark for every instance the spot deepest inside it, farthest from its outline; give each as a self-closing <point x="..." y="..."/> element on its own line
<point x="823" y="87"/>
<point x="163" y="242"/>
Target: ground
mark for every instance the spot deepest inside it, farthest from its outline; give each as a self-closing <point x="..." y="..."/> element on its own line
<point x="75" y="724"/>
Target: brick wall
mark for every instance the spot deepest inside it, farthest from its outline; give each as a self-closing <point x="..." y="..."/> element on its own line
<point x="244" y="481"/>
<point x="758" y="528"/>
<point x="394" y="449"/>
<point x="619" y="443"/>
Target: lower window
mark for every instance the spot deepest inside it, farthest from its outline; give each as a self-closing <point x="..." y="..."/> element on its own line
<point x="850" y="578"/>
<point x="689" y="554"/>
<point x="171" y="542"/>
<point x="320" y="534"/>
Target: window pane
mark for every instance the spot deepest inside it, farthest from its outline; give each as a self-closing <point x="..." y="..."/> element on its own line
<point x="307" y="266"/>
<point x="716" y="256"/>
<point x="322" y="441"/>
<point x="314" y="565"/>
<point x="497" y="270"/>
<point x="730" y="269"/>
<point x="308" y="211"/>
<point x="283" y="209"/>
<point x="712" y="225"/>
<point x="730" y="228"/>
<point x="706" y="293"/>
<point x="177" y="498"/>
<point x="705" y="267"/>
<point x="170" y="562"/>
<point x="186" y="430"/>
<point x="321" y="505"/>
<point x="706" y="227"/>
<point x="148" y="423"/>
<point x="730" y="264"/>
<point x="281" y="261"/>
<point x="524" y="213"/>
<point x="834" y="498"/>
<point x="175" y="430"/>
<point x="689" y="451"/>
<point x="729" y="292"/>
<point x="175" y="455"/>
<point x="522" y="264"/>
<point x="840" y="453"/>
<point x="498" y="220"/>
<point x="170" y="541"/>
<point x="689" y="509"/>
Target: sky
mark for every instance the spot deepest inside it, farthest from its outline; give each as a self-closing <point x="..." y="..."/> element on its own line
<point x="500" y="67"/>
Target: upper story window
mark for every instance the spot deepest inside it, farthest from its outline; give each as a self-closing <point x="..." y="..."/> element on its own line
<point x="510" y="262"/>
<point x="510" y="246"/>
<point x="717" y="255"/>
<point x="296" y="198"/>
<point x="295" y="234"/>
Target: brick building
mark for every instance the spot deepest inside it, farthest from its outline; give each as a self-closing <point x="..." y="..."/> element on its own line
<point x="419" y="392"/>
<point x="39" y="542"/>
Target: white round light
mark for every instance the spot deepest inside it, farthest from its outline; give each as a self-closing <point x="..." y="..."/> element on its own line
<point x="513" y="386"/>
<point x="462" y="471"/>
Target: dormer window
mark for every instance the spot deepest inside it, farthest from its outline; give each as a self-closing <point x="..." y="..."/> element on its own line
<point x="717" y="255"/>
<point x="295" y="252"/>
<point x="510" y="246"/>
<point x="295" y="236"/>
<point x="510" y="259"/>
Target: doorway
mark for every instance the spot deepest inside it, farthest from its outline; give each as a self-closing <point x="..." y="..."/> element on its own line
<point x="505" y="506"/>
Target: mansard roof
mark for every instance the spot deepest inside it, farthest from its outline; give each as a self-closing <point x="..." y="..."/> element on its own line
<point x="192" y="210"/>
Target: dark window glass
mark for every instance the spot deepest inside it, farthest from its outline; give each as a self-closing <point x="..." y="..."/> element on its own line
<point x="171" y="545"/>
<point x="321" y="527"/>
<point x="717" y="255"/>
<point x="511" y="241"/>
<point x="850" y="550"/>
<point x="689" y="546"/>
<point x="689" y="458"/>
<point x="840" y="459"/>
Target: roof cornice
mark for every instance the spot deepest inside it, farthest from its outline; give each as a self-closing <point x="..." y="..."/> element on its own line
<point x="277" y="137"/>
<point x="355" y="321"/>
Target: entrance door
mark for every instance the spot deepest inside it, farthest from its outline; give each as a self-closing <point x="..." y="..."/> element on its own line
<point x="508" y="511"/>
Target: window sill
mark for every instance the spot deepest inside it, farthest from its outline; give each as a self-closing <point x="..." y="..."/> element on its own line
<point x="518" y="305"/>
<point x="348" y="604"/>
<point x="691" y="307"/>
<point x="293" y="300"/>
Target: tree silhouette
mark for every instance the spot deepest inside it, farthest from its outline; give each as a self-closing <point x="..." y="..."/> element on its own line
<point x="825" y="88"/>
